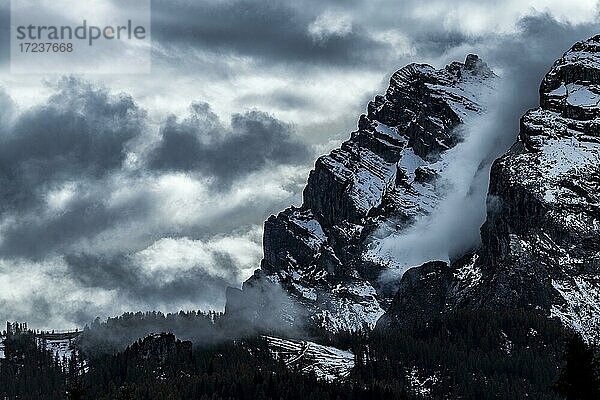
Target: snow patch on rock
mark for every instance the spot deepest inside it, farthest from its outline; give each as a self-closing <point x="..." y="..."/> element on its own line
<point x="326" y="362"/>
<point x="581" y="310"/>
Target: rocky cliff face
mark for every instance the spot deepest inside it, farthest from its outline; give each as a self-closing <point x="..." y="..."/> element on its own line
<point x="541" y="241"/>
<point x="384" y="178"/>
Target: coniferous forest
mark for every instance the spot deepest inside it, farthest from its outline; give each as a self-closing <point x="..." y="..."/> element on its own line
<point x="470" y="355"/>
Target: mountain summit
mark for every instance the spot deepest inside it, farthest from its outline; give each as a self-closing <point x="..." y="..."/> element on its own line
<point x="316" y="267"/>
<point x="541" y="240"/>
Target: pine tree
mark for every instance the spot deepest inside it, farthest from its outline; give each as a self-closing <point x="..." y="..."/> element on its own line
<point x="579" y="379"/>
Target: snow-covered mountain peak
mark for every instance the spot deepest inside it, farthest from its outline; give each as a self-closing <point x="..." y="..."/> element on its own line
<point x="541" y="239"/>
<point x="384" y="175"/>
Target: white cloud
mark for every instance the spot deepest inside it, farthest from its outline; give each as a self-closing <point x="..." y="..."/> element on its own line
<point x="43" y="294"/>
<point x="330" y="23"/>
<point x="58" y="199"/>
<point x="49" y="295"/>
<point x="168" y="257"/>
<point x="475" y="17"/>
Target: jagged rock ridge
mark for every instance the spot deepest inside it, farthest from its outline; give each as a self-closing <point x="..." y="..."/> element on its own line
<point x="383" y="178"/>
<point x="541" y="240"/>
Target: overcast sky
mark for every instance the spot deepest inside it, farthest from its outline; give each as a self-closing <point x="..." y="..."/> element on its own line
<point x="139" y="192"/>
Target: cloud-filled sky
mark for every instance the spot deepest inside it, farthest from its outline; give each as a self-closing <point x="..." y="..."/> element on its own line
<point x="139" y="192"/>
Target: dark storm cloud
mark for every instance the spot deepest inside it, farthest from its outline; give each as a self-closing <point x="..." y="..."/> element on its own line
<point x="80" y="133"/>
<point x="435" y="42"/>
<point x="34" y="235"/>
<point x="271" y="31"/>
<point x="78" y="136"/>
<point x="78" y="140"/>
<point x="279" y="32"/>
<point x="540" y="41"/>
<point x="123" y="274"/>
<point x="283" y="99"/>
<point x="525" y="58"/>
<point x="201" y="143"/>
<point x="4" y="31"/>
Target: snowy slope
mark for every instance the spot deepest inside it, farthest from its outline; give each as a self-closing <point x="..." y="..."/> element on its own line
<point x="382" y="180"/>
<point x="327" y="363"/>
<point x="63" y="349"/>
<point x="62" y="345"/>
